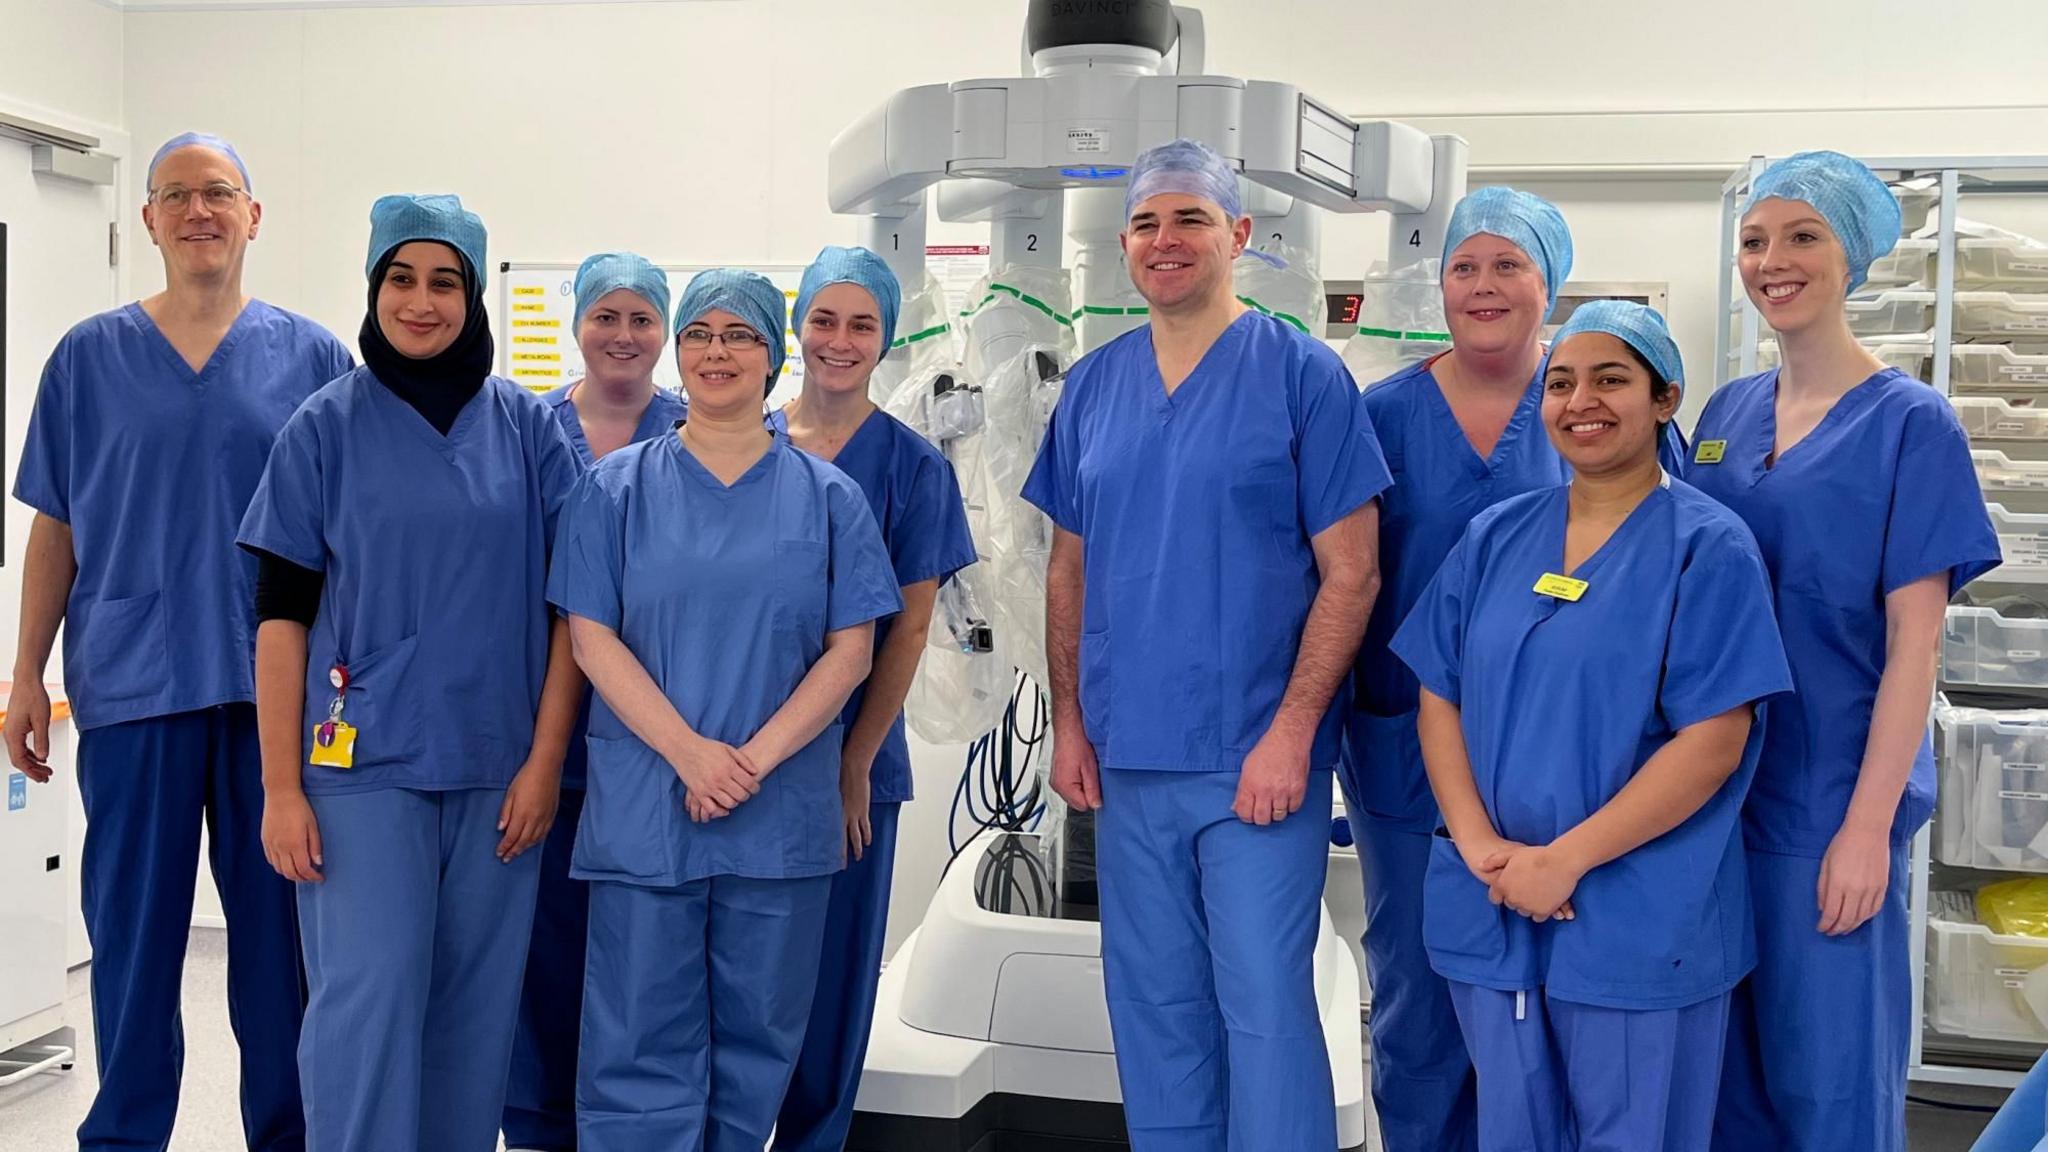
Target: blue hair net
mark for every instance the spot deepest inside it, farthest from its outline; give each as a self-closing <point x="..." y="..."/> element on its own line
<point x="401" y="219"/>
<point x="1524" y="219"/>
<point x="200" y="140"/>
<point x="1859" y="209"/>
<point x="1637" y="325"/>
<point x="837" y="265"/>
<point x="1188" y="166"/>
<point x="606" y="272"/>
<point x="747" y="295"/>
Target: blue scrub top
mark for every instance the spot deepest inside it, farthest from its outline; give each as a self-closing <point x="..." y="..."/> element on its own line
<point x="435" y="553"/>
<point x="1440" y="484"/>
<point x="725" y="596"/>
<point x="663" y="412"/>
<point x="1196" y="511"/>
<point x="151" y="464"/>
<point x="1563" y="703"/>
<point x="1880" y="494"/>
<point x="915" y="499"/>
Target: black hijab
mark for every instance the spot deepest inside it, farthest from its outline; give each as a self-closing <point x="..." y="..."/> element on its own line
<point x="438" y="386"/>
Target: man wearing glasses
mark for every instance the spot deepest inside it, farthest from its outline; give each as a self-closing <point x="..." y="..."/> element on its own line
<point x="151" y="427"/>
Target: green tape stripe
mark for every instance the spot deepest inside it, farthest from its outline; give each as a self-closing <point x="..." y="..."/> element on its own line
<point x="1390" y="334"/>
<point x="1094" y="310"/>
<point x="1256" y="306"/>
<point x="914" y="337"/>
<point x="1026" y="297"/>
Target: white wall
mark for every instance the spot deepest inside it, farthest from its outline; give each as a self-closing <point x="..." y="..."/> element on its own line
<point x="698" y="131"/>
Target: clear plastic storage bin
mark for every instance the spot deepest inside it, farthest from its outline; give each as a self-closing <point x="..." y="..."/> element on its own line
<point x="2022" y="543"/>
<point x="2006" y="262"/>
<point x="1994" y="788"/>
<point x="1911" y="262"/>
<point x="1980" y="647"/>
<point x="1986" y="986"/>
<point x="2002" y="315"/>
<point x="1916" y="204"/>
<point x="2020" y="485"/>
<point x="1994" y="368"/>
<point x="1996" y="418"/>
<point x="1907" y="310"/>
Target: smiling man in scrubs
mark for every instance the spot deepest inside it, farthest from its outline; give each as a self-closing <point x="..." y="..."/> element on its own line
<point x="149" y="433"/>
<point x="1212" y="478"/>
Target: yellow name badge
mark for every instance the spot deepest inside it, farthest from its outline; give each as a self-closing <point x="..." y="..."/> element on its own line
<point x="1562" y="587"/>
<point x="334" y="745"/>
<point x="1710" y="452"/>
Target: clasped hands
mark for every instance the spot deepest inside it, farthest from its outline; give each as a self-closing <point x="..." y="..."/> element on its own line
<point x="1536" y="881"/>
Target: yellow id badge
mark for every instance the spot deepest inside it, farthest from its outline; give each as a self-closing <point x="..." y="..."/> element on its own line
<point x="1710" y="452"/>
<point x="334" y="745"/>
<point x="1562" y="587"/>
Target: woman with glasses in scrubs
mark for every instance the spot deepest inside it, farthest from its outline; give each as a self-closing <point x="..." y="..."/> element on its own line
<point x="415" y="696"/>
<point x="721" y="588"/>
<point x="1857" y="481"/>
<point x="1591" y="656"/>
<point x="621" y="323"/>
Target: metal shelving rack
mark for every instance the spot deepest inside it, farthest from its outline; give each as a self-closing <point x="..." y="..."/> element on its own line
<point x="1960" y="1060"/>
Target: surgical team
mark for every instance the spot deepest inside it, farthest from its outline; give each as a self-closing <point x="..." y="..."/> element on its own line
<point x="551" y="748"/>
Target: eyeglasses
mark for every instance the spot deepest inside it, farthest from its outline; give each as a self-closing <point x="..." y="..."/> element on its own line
<point x="733" y="339"/>
<point x="176" y="197"/>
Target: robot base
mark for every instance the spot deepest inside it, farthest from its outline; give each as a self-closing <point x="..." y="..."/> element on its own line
<point x="991" y="1029"/>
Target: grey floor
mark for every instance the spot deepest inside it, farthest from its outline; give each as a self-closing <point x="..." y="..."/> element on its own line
<point x="41" y="1114"/>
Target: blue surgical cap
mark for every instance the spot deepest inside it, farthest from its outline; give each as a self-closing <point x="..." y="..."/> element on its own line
<point x="747" y="295"/>
<point x="1637" y="325"/>
<point x="1525" y="220"/>
<point x="607" y="272"/>
<point x="836" y="265"/>
<point x="1188" y="166"/>
<point x="199" y="140"/>
<point x="401" y="219"/>
<point x="1859" y="209"/>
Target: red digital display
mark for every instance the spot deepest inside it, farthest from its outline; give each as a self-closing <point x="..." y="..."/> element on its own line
<point x="1343" y="307"/>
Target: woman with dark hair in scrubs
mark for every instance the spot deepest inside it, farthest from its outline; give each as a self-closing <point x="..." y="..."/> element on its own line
<point x="415" y="696"/>
<point x="845" y="317"/>
<point x="621" y="325"/>
<point x="1857" y="481"/>
<point x="1590" y="657"/>
<point x="721" y="588"/>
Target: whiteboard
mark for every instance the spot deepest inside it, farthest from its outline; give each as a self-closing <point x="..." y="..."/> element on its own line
<point x="537" y="302"/>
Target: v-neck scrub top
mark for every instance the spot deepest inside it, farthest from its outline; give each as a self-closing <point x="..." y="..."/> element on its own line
<point x="1562" y="702"/>
<point x="1196" y="511"/>
<point x="435" y="551"/>
<point x="151" y="465"/>
<point x="725" y="594"/>
<point x="1880" y="494"/>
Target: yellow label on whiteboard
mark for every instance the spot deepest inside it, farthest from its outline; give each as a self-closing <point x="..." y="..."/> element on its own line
<point x="1562" y="587"/>
<point x="536" y="323"/>
<point x="536" y="357"/>
<point x="1710" y="452"/>
<point x="533" y="340"/>
<point x="528" y="290"/>
<point x="529" y="307"/>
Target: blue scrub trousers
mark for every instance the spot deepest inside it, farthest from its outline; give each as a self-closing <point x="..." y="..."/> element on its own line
<point x="415" y="946"/>
<point x="694" y="1005"/>
<point x="818" y="1110"/>
<point x="2022" y="1123"/>
<point x="1423" y="1088"/>
<point x="147" y="786"/>
<point x="540" y="1095"/>
<point x="1209" y="931"/>
<point x="1848" y="998"/>
<point x="1555" y="1076"/>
